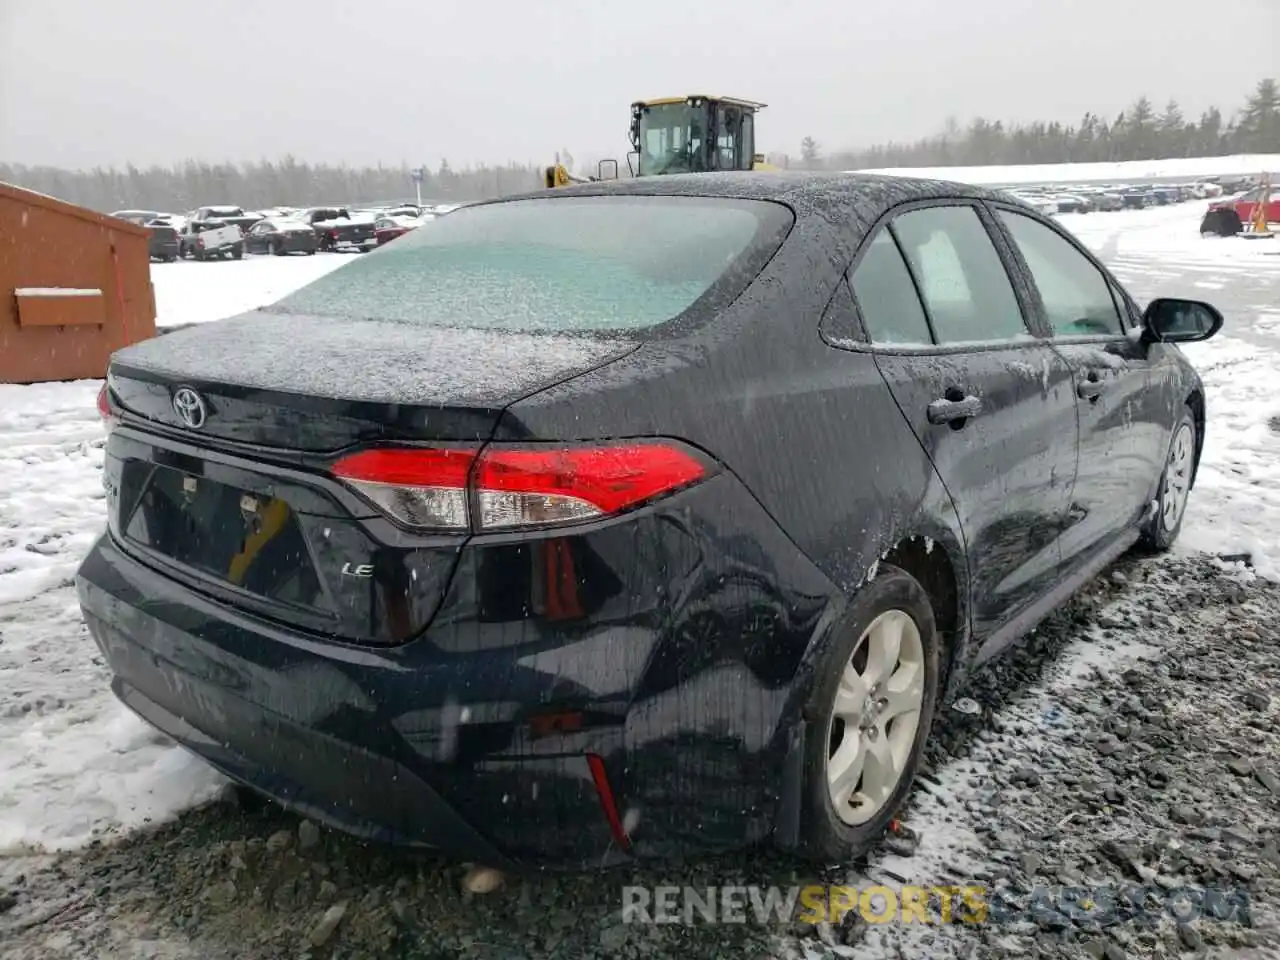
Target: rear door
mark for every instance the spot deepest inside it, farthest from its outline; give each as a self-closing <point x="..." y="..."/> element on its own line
<point x="991" y="403"/>
<point x="1123" y="398"/>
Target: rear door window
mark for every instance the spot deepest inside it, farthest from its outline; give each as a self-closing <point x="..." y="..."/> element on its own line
<point x="964" y="283"/>
<point x="566" y="264"/>
<point x="887" y="301"/>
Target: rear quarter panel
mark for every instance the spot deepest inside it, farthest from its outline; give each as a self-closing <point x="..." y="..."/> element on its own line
<point x="811" y="430"/>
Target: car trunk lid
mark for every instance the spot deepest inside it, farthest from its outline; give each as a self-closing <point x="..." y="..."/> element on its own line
<point x="240" y="502"/>
<point x="322" y="384"/>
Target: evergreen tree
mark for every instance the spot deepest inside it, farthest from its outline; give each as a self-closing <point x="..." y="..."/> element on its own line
<point x="1259" y="128"/>
<point x="809" y="151"/>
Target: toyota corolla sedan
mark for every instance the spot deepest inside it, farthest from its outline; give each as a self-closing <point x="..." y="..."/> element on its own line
<point x="632" y="519"/>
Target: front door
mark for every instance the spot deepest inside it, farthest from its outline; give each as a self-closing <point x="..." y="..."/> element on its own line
<point x="992" y="404"/>
<point x="1124" y="420"/>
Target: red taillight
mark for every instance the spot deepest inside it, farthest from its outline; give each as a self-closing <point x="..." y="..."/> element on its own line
<point x="333" y="234"/>
<point x="108" y="415"/>
<point x="506" y="488"/>
<point x="418" y="487"/>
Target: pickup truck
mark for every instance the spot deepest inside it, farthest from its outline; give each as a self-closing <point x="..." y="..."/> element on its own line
<point x="211" y="239"/>
<point x="164" y="233"/>
<point x="337" y="229"/>
<point x="236" y="216"/>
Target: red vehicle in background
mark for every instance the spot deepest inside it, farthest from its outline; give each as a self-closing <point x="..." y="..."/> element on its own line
<point x="388" y="228"/>
<point x="1246" y="204"/>
<point x="1234" y="215"/>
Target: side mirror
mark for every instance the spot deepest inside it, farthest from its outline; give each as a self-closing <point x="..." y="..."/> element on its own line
<point x="1169" y="320"/>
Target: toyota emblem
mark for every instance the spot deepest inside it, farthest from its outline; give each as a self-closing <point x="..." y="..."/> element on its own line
<point x="190" y="408"/>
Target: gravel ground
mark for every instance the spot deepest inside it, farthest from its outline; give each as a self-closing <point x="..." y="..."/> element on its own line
<point x="1131" y="742"/>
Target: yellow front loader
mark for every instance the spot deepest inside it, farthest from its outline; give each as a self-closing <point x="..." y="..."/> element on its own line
<point x="693" y="134"/>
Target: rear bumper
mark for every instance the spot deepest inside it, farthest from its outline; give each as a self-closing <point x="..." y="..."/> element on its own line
<point x="299" y="243"/>
<point x="686" y="691"/>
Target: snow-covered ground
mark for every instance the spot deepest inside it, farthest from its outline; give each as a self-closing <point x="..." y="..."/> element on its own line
<point x="1126" y="171"/>
<point x="190" y="292"/>
<point x="1235" y="507"/>
<point x="74" y="764"/>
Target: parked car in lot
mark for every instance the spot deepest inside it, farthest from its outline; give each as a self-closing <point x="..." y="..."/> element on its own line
<point x="236" y="216"/>
<point x="1245" y="205"/>
<point x="211" y="240"/>
<point x="164" y="241"/>
<point x="693" y="519"/>
<point x="1135" y="199"/>
<point x="1072" y="203"/>
<point x="1106" y="200"/>
<point x="280" y="236"/>
<point x="388" y="228"/>
<point x="337" y="229"/>
<point x="1037" y="201"/>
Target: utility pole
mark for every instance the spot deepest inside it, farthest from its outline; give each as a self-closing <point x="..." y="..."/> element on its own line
<point x="417" y="176"/>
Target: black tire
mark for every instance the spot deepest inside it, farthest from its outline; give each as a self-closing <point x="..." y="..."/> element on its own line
<point x="311" y="252"/>
<point x="198" y="253"/>
<point x="1160" y="532"/>
<point x="824" y="835"/>
<point x="237" y="252"/>
<point x="277" y="248"/>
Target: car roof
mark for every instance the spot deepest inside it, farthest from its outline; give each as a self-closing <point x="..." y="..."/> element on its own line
<point x="807" y="193"/>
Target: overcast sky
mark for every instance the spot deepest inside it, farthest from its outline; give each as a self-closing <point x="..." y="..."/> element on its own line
<point x="85" y="82"/>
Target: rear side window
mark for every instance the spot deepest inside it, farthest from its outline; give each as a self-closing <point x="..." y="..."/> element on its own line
<point x="1076" y="295"/>
<point x="887" y="300"/>
<point x="568" y="264"/>
<point x="962" y="278"/>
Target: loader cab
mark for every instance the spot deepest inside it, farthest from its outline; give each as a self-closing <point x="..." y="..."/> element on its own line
<point x="693" y="134"/>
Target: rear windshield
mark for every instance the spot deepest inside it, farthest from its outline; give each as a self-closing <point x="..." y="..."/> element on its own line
<point x="566" y="264"/>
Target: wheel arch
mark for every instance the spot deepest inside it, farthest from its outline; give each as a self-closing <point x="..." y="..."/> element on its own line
<point x="936" y="564"/>
<point x="1195" y="400"/>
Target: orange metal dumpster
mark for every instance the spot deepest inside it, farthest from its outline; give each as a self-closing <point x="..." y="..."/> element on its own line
<point x="75" y="286"/>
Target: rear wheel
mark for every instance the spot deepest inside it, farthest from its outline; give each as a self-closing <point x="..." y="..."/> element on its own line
<point x="277" y="247"/>
<point x="1175" y="486"/>
<point x="869" y="716"/>
<point x="237" y="252"/>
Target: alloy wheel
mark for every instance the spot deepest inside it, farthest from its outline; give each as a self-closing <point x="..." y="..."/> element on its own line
<point x="1177" y="476"/>
<point x="875" y="717"/>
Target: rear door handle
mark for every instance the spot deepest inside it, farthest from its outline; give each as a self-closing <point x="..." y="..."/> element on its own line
<point x="947" y="410"/>
<point x="1091" y="388"/>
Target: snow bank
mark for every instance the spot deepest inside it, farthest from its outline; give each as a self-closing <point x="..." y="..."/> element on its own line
<point x="72" y="760"/>
<point x="1129" y="171"/>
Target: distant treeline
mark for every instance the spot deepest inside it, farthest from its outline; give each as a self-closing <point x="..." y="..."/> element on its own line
<point x="1138" y="133"/>
<point x="289" y="182"/>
